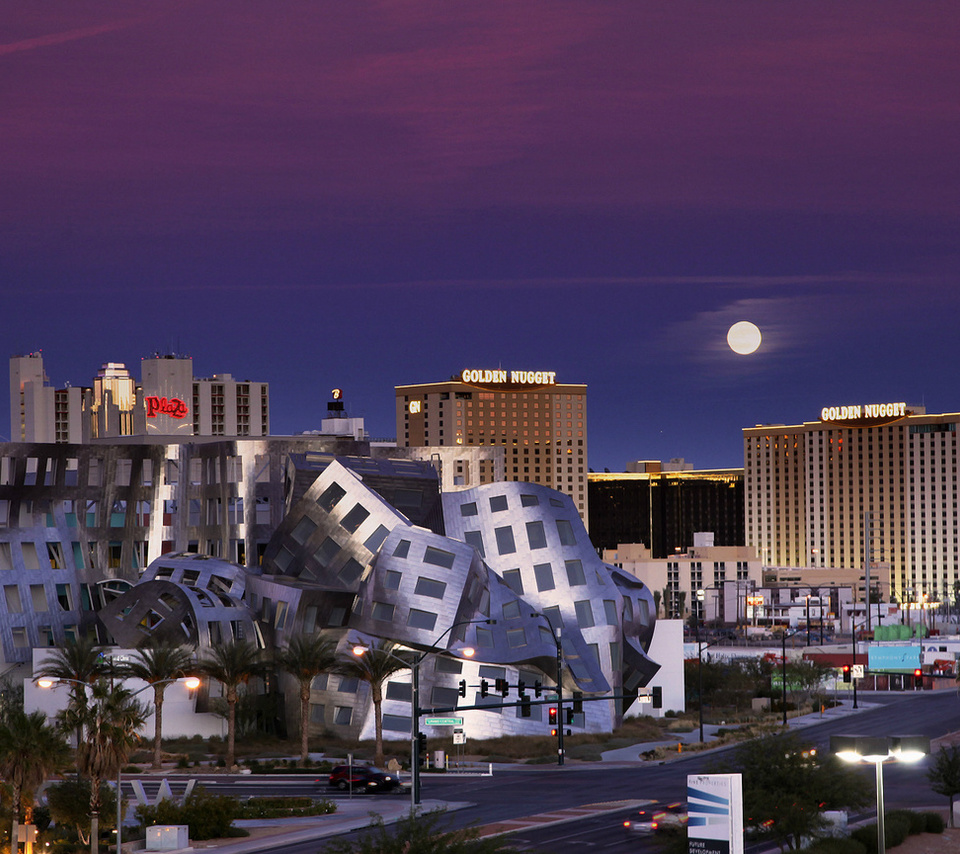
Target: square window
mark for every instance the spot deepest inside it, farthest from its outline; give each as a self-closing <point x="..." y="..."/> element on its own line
<point x="543" y="572"/>
<point x="498" y="503"/>
<point x="514" y="581"/>
<point x="584" y="614"/>
<point x="304" y="528"/>
<point x="355" y="518"/>
<point x="575" y="575"/>
<point x="536" y="536"/>
<point x="511" y="610"/>
<point x="529" y="500"/>
<point x="475" y="539"/>
<point x="402" y="549"/>
<point x="342" y="715"/>
<point x="383" y="611"/>
<point x="327" y="553"/>
<point x="565" y="530"/>
<point x="505" y="541"/>
<point x="391" y="580"/>
<point x="351" y="571"/>
<point x="417" y="619"/>
<point x="438" y="557"/>
<point x="375" y="540"/>
<point x="468" y="509"/>
<point x="331" y="496"/>
<point x="430" y="587"/>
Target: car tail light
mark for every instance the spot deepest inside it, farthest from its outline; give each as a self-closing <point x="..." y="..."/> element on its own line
<point x="627" y="824"/>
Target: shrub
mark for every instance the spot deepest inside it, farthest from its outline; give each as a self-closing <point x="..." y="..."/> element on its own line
<point x="846" y="845"/>
<point x="916" y="822"/>
<point x="207" y="816"/>
<point x="934" y="822"/>
<point x="896" y="828"/>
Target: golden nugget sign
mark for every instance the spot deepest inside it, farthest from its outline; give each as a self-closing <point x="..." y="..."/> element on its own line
<point x="861" y="411"/>
<point x="513" y="377"/>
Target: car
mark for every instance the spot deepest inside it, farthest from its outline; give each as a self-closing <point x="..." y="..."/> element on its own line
<point x="363" y="778"/>
<point x="656" y="818"/>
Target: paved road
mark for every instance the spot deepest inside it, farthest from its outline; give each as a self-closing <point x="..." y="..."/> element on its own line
<point x="516" y="791"/>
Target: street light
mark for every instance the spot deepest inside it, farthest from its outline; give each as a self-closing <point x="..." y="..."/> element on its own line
<point x="875" y="750"/>
<point x="190" y="682"/>
<point x="414" y="665"/>
<point x="556" y="639"/>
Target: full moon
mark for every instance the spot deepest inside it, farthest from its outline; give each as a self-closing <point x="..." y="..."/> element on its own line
<point x="743" y="337"/>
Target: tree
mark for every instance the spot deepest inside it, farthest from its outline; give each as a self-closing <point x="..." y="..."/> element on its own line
<point x="657" y="596"/>
<point x="30" y="751"/>
<point x="232" y="664"/>
<point x="944" y="775"/>
<point x="305" y="658"/>
<point x="159" y="664"/>
<point x="787" y="785"/>
<point x="69" y="803"/>
<point x="78" y="662"/>
<point x="378" y="662"/>
<point x="421" y="833"/>
<point x="110" y="721"/>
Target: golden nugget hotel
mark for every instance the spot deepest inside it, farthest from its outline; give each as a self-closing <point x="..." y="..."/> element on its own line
<point x="540" y="423"/>
<point x="877" y="479"/>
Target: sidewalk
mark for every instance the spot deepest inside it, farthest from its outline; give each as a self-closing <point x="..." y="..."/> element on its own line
<point x="632" y="753"/>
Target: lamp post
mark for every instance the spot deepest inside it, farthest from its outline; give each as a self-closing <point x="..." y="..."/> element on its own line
<point x="875" y="750"/>
<point x="556" y="639"/>
<point x="700" y="649"/>
<point x="414" y="665"/>
<point x="191" y="683"/>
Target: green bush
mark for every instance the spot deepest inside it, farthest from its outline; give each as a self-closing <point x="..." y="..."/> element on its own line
<point x="916" y="822"/>
<point x="284" y="807"/>
<point x="934" y="822"/>
<point x="845" y="845"/>
<point x="207" y="816"/>
<point x="896" y="828"/>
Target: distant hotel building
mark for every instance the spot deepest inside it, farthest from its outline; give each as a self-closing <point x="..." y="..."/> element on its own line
<point x="663" y="505"/>
<point x="540" y="424"/>
<point x="169" y="402"/>
<point x="883" y="474"/>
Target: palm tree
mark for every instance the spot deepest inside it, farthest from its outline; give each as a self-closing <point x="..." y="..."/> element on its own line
<point x="110" y="722"/>
<point x="78" y="662"/>
<point x="377" y="663"/>
<point x="30" y="751"/>
<point x="232" y="664"/>
<point x="305" y="658"/>
<point x="159" y="664"/>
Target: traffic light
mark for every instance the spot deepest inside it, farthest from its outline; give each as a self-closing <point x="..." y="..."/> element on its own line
<point x="421" y="747"/>
<point x="484" y="687"/>
<point x="552" y="716"/>
<point x="463" y="687"/>
<point x="502" y="686"/>
<point x="521" y="685"/>
<point x="657" y="697"/>
<point x="553" y="731"/>
<point x="537" y="688"/>
<point x="570" y="714"/>
<point x="578" y="702"/>
<point x="524" y="706"/>
<point x="847" y="673"/>
<point x="918" y="678"/>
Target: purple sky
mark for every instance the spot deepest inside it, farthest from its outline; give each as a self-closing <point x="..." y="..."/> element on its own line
<point x="365" y="194"/>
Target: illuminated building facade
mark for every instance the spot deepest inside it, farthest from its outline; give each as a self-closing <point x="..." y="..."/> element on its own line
<point x="169" y="401"/>
<point x="664" y="505"/>
<point x="883" y="474"/>
<point x="540" y="424"/>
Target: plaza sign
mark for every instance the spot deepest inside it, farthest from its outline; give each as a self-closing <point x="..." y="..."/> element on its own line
<point x="501" y="377"/>
<point x="859" y="412"/>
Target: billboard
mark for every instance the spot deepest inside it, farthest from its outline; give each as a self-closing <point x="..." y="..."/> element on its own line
<point x="715" y="812"/>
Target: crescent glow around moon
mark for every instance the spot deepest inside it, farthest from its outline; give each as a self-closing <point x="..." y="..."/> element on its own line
<point x="744" y="337"/>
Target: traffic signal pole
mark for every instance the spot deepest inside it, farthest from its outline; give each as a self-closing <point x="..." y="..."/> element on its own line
<point x="560" y="723"/>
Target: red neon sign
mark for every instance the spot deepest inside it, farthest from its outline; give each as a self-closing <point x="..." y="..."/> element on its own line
<point x="174" y="407"/>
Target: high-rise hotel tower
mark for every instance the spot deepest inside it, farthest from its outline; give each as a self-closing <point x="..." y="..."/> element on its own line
<point x="540" y="423"/>
<point x="865" y="481"/>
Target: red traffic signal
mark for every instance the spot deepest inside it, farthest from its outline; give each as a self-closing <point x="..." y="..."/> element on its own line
<point x="846" y="673"/>
<point x="552" y="716"/>
<point x="918" y="678"/>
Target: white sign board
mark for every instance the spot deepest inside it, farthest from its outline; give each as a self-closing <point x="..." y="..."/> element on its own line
<point x="715" y="814"/>
<point x="857" y="671"/>
<point x="460" y="737"/>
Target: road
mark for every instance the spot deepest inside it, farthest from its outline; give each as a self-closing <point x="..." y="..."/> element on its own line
<point x="525" y="790"/>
